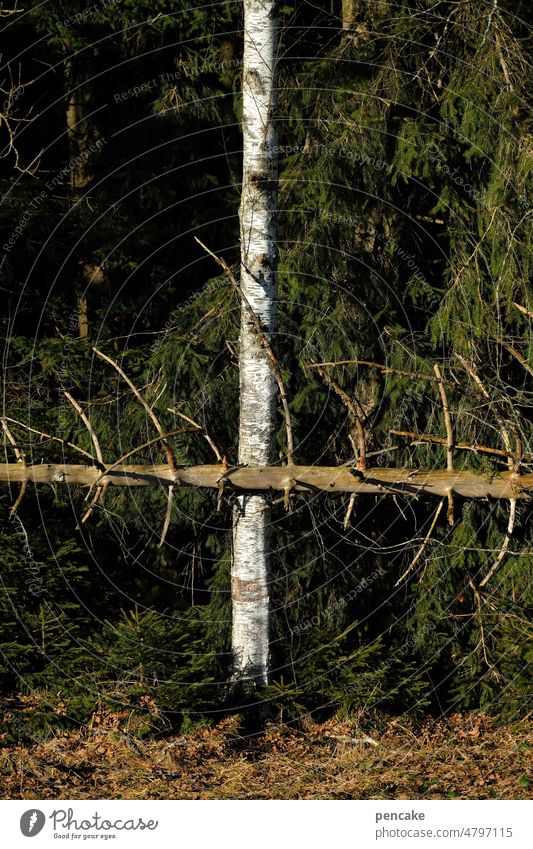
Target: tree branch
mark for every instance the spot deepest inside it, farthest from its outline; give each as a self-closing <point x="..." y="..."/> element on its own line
<point x="210" y="442"/>
<point x="348" y="403"/>
<point x="449" y="438"/>
<point x="385" y="369"/>
<point x="264" y="344"/>
<point x="463" y="446"/>
<point x="21" y="457"/>
<point x="331" y="479"/>
<point x="168" y="450"/>
<point x="422" y="548"/>
<point x="516" y="354"/>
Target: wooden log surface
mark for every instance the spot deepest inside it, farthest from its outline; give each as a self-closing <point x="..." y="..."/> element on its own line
<point x="333" y="479"/>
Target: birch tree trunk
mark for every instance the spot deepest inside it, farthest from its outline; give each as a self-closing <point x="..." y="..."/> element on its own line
<point x="250" y="568"/>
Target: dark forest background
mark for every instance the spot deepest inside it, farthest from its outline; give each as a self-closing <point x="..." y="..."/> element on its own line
<point x="405" y="167"/>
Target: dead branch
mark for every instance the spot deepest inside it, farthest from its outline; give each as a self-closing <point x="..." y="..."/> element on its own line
<point x="88" y="425"/>
<point x="48" y="436"/>
<point x="523" y="309"/>
<point x="422" y="548"/>
<point x="139" y="448"/>
<point x="515" y="353"/>
<point x="265" y="344"/>
<point x="166" y="447"/>
<point x="514" y="466"/>
<point x="21" y="457"/>
<point x="168" y="515"/>
<point x="349" y="511"/>
<point x="447" y="419"/>
<point x="464" y="446"/>
<point x="199" y="427"/>
<point x="385" y="369"/>
<point x="449" y="438"/>
<point x="503" y="550"/>
<point x="100" y="490"/>
<point x="10" y="93"/>
<point x="486" y="394"/>
<point x="349" y="404"/>
<point x="331" y="479"/>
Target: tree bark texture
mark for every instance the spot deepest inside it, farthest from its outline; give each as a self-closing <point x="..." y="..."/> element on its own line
<point x="277" y="479"/>
<point x="250" y="567"/>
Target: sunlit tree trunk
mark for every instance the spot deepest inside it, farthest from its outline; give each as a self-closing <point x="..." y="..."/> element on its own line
<point x="250" y="568"/>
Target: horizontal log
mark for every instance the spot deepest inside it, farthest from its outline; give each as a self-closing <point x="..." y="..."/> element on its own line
<point x="333" y="479"/>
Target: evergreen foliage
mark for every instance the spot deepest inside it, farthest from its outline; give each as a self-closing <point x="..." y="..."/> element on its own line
<point x="404" y="239"/>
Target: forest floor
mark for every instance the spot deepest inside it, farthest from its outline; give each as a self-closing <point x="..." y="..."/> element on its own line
<point x="466" y="756"/>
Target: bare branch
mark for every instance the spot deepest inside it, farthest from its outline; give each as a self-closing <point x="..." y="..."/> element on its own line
<point x="349" y="511"/>
<point x="385" y="369"/>
<point x="463" y="446"/>
<point x="447" y="419"/>
<point x="19" y="453"/>
<point x="449" y="438"/>
<point x="264" y="344"/>
<point x="516" y="354"/>
<point x="87" y="423"/>
<point x="331" y="479"/>
<point x="199" y="427"/>
<point x="21" y="457"/>
<point x="486" y="394"/>
<point x="422" y="548"/>
<point x="168" y="516"/>
<point x="349" y="404"/>
<point x="168" y="450"/>
<point x="139" y="448"/>
<point x="523" y="309"/>
<point x="48" y="436"/>
<point x="514" y="466"/>
<point x="505" y="545"/>
<point x="100" y="490"/>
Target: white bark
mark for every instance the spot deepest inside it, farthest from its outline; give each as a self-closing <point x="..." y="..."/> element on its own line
<point x="249" y="576"/>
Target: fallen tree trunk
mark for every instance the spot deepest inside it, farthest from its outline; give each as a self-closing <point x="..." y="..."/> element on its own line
<point x="332" y="479"/>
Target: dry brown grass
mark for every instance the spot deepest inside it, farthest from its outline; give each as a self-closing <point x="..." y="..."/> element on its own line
<point x="464" y="757"/>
